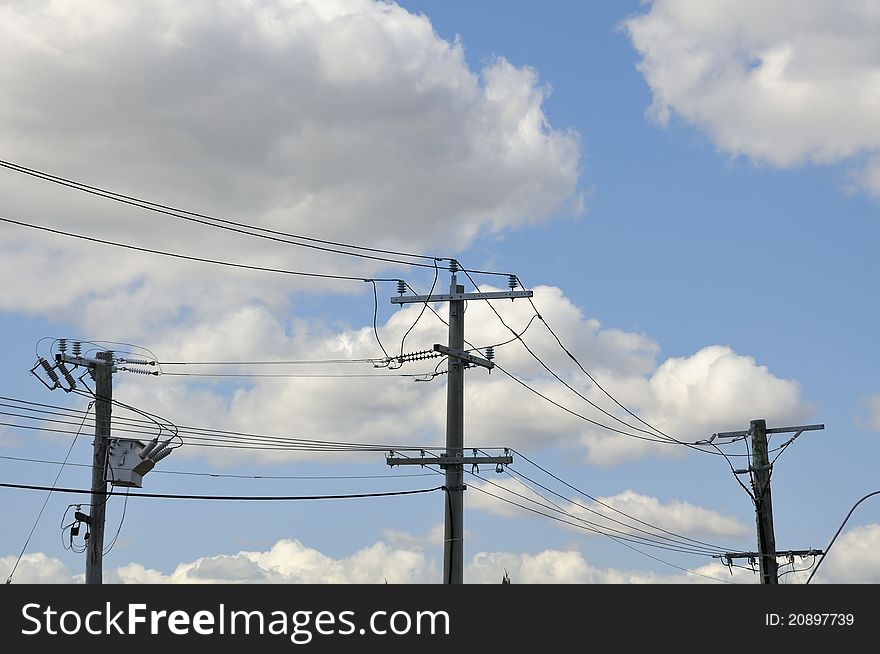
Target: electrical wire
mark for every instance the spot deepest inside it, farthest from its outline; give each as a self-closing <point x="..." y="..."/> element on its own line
<point x="605" y="504"/>
<point x="297" y="376"/>
<point x="422" y="312"/>
<point x="217" y="223"/>
<point x="615" y="538"/>
<point x="51" y="489"/>
<point x="575" y="413"/>
<point x="586" y="372"/>
<point x="675" y="536"/>
<point x="236" y="226"/>
<point x="121" y="522"/>
<point x="288" y="362"/>
<point x="187" y="257"/>
<point x="602" y="530"/>
<point x="550" y="370"/>
<point x="796" y="570"/>
<point x="193" y="432"/>
<point x="219" y="475"/>
<point x="226" y="498"/>
<point x="834" y="538"/>
<point x="375" y="319"/>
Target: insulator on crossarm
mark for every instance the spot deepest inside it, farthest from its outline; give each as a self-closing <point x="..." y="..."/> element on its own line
<point x="512" y="281"/>
<point x="50" y="372"/>
<point x="77" y="348"/>
<point x="401" y="287"/>
<point x="490" y="352"/>
<point x="137" y="362"/>
<point x="140" y="372"/>
<point x="62" y="345"/>
<point x="155" y="458"/>
<point x="67" y="376"/>
<point x="158" y="453"/>
<point x="453" y="266"/>
<point x="148" y="449"/>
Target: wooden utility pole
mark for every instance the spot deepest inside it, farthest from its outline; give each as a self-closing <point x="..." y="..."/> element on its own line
<point x="760" y="470"/>
<point x="103" y="406"/>
<point x="453" y="540"/>
<point x="767" y="564"/>
<point x="454" y="459"/>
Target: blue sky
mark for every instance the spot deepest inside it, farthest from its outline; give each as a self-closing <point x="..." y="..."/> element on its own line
<point x="724" y="246"/>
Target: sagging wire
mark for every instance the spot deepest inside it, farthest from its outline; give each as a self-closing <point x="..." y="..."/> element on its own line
<point x="424" y="306"/>
<point x="48" y="495"/>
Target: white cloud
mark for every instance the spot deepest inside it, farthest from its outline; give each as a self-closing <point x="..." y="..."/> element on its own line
<point x="873" y="406"/>
<point x="692" y="397"/>
<point x="346" y="119"/>
<point x="688" y="397"/>
<point x="782" y="82"/>
<point x="674" y="516"/>
<point x="403" y="539"/>
<point x="289" y="561"/>
<point x="852" y="559"/>
<point x="402" y="558"/>
<point x="37" y="568"/>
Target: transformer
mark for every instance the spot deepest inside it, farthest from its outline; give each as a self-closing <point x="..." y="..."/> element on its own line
<point x="129" y="459"/>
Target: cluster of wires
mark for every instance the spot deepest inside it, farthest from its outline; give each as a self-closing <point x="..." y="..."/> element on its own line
<point x="578" y="509"/>
<point x="619" y="419"/>
<point x="49" y="418"/>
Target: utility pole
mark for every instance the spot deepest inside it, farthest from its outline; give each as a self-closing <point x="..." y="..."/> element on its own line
<point x="454" y="459"/>
<point x="760" y="470"/>
<point x="453" y="539"/>
<point x="103" y="406"/>
<point x="767" y="564"/>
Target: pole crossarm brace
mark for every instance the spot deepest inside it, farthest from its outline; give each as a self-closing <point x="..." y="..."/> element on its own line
<point x="464" y="356"/>
<point x="770" y="430"/>
<point x="452" y="297"/>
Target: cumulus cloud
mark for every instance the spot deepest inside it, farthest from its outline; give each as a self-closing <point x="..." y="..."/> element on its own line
<point x="346" y="119"/>
<point x="853" y="558"/>
<point x="290" y="562"/>
<point x="873" y="406"/>
<point x="38" y="568"/>
<point x="688" y="397"/>
<point x="606" y="513"/>
<point x="783" y="82"/>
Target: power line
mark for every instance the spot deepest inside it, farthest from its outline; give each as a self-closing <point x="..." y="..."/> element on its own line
<point x="590" y="376"/>
<point x="615" y="538"/>
<point x="220" y="475"/>
<point x="236" y="226"/>
<point x="46" y="501"/>
<point x="546" y="367"/>
<point x="711" y="547"/>
<point x="187" y="257"/>
<point x="191" y="431"/>
<point x="422" y="312"/>
<point x="217" y="223"/>
<point x="573" y="412"/>
<point x="285" y="362"/>
<point x="825" y="553"/>
<point x="602" y="530"/>
<point x="227" y="498"/>
<point x="301" y="375"/>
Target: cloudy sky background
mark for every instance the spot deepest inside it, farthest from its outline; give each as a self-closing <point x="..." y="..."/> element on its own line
<point x="691" y="190"/>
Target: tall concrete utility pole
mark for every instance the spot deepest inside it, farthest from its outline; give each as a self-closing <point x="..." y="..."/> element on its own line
<point x="103" y="407"/>
<point x="454" y="459"/>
